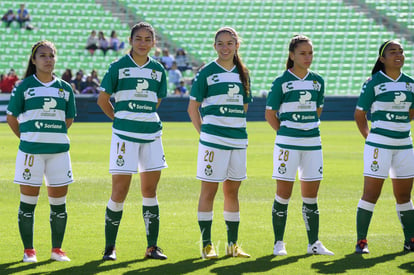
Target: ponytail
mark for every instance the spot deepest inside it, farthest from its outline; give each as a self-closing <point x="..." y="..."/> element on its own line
<point x="379" y="66"/>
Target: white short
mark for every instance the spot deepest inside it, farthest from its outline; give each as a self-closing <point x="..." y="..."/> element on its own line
<point x="126" y="156"/>
<point x="379" y="162"/>
<point x="217" y="165"/>
<point x="286" y="162"/>
<point x="30" y="169"/>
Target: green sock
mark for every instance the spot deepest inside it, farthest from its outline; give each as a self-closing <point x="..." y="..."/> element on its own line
<point x="407" y="222"/>
<point x="58" y="219"/>
<point x="26" y="222"/>
<point x="112" y="221"/>
<point x="232" y="231"/>
<point x="279" y="217"/>
<point x="205" y="228"/>
<point x="311" y="217"/>
<point x="363" y="220"/>
<point x="152" y="223"/>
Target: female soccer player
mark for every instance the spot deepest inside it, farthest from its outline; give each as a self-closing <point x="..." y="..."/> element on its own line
<point x="40" y="111"/>
<point x="388" y="94"/>
<point x="293" y="108"/>
<point x="137" y="83"/>
<point x="222" y="89"/>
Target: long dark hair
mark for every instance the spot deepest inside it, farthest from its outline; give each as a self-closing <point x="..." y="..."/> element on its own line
<point x="379" y="66"/>
<point x="31" y="67"/>
<point x="296" y="40"/>
<point x="243" y="71"/>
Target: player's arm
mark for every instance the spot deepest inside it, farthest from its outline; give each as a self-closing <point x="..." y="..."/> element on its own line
<point x="158" y="103"/>
<point x="194" y="113"/>
<point x="245" y="107"/>
<point x="361" y="120"/>
<point x="105" y="103"/>
<point x="272" y="119"/>
<point x="319" y="111"/>
<point x="411" y="114"/>
<point x="69" y="122"/>
<point x="14" y="125"/>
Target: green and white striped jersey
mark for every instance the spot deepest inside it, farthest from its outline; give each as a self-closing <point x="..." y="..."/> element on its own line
<point x="297" y="101"/>
<point x="42" y="110"/>
<point x="136" y="91"/>
<point x="389" y="102"/>
<point x="222" y="98"/>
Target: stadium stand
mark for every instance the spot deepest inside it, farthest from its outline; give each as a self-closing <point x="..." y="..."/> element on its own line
<point x="345" y="38"/>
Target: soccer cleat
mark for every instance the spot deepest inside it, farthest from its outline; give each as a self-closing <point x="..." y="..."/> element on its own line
<point x="29" y="256"/>
<point x="59" y="255"/>
<point x="235" y="251"/>
<point x="154" y="252"/>
<point x="317" y="248"/>
<point x="279" y="249"/>
<point x="409" y="246"/>
<point x="109" y="254"/>
<point x="362" y="247"/>
<point x="209" y="252"/>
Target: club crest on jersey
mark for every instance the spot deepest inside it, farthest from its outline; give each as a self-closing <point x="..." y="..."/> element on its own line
<point x="61" y="93"/>
<point x="409" y="87"/>
<point x="141" y="88"/>
<point x="208" y="170"/>
<point x="26" y="174"/>
<point x="374" y="166"/>
<point x="120" y="161"/>
<point x="316" y="85"/>
<point x="154" y="74"/>
<point x="282" y="169"/>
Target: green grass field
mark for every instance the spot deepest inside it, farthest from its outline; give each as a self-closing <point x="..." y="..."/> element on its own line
<point x="178" y="196"/>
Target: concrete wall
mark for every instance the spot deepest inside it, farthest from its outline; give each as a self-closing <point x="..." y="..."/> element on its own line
<point x="175" y="109"/>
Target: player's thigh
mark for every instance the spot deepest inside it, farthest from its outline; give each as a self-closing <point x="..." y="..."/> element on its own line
<point x="123" y="156"/>
<point x="212" y="163"/>
<point x="377" y="161"/>
<point x="151" y="156"/>
<point x="237" y="165"/>
<point x="29" y="169"/>
<point x="285" y="163"/>
<point x="402" y="164"/>
<point x="58" y="170"/>
<point x="311" y="165"/>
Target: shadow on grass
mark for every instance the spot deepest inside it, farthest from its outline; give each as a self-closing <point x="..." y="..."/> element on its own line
<point x="356" y="261"/>
<point x="262" y="264"/>
<point x="409" y="267"/>
<point x="182" y="267"/>
<point x="93" y="267"/>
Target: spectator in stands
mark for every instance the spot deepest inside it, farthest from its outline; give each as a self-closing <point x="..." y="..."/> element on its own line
<point x="157" y="55"/>
<point x="166" y="59"/>
<point x="182" y="60"/>
<point x="8" y="18"/>
<point x="77" y="82"/>
<point x="23" y="17"/>
<point x="181" y="87"/>
<point x="174" y="75"/>
<point x="8" y="82"/>
<point x="67" y="75"/>
<point x="2" y="76"/>
<point x="103" y="43"/>
<point x="89" y="86"/>
<point x="114" y="43"/>
<point x="95" y="77"/>
<point x="92" y="42"/>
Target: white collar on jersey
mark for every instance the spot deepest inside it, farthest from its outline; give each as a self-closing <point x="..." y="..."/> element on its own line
<point x="215" y="61"/>
<point x="129" y="55"/>
<point x="48" y="84"/>
<point x="396" y="80"/>
<point x="298" y="76"/>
